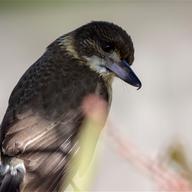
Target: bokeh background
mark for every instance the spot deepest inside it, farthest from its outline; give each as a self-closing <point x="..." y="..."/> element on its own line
<point x="154" y="118"/>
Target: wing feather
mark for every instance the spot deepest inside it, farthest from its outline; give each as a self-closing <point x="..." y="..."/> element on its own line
<point x="44" y="146"/>
<point x="43" y="118"/>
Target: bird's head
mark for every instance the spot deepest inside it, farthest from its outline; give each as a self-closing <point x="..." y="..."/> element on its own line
<point x="106" y="48"/>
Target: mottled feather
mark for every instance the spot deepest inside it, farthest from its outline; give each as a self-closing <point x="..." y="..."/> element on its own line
<point x="42" y="122"/>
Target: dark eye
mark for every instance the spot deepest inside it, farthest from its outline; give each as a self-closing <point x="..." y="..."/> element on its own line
<point x="108" y="47"/>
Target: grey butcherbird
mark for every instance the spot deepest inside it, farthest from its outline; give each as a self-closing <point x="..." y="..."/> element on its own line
<point x="40" y="129"/>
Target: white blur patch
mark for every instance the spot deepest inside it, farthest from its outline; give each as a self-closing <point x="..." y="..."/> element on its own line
<point x="97" y="64"/>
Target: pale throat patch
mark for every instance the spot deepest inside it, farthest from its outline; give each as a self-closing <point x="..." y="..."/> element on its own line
<point x="97" y="64"/>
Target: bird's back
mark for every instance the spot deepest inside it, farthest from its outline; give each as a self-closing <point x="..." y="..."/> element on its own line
<point x="43" y="118"/>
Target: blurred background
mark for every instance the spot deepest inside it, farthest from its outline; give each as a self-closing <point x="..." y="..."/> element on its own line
<point x="157" y="118"/>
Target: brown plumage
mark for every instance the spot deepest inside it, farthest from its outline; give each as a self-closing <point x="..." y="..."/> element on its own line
<point x="40" y="129"/>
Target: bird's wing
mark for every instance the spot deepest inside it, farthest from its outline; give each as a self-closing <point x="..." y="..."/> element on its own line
<point x="43" y="119"/>
<point x="44" y="146"/>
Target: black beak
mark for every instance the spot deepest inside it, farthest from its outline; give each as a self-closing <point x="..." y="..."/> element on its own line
<point x="124" y="72"/>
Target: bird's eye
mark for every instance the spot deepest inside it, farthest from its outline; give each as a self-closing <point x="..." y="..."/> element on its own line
<point x="108" y="47"/>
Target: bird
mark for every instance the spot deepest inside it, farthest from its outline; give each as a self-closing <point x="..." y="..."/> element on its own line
<point x="41" y="126"/>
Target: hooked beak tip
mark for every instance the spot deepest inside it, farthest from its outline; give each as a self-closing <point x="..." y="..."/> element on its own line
<point x="139" y="85"/>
